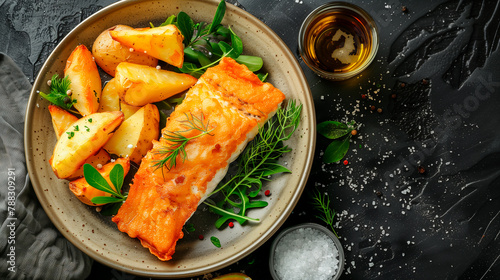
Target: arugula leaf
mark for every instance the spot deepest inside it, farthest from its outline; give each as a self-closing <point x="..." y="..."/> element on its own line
<point x="58" y="93"/>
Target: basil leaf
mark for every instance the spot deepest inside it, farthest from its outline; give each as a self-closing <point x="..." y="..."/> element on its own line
<point x="215" y="241"/>
<point x="95" y="179"/>
<point x="106" y="199"/>
<point x="186" y="26"/>
<point x="116" y="177"/>
<point x="219" y="15"/>
<point x="336" y="150"/>
<point x="254" y="63"/>
<point x="333" y="129"/>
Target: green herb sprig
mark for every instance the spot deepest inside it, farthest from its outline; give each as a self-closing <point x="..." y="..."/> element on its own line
<point x="341" y="134"/>
<point x="96" y="180"/>
<point x="176" y="141"/>
<point x="207" y="43"/>
<point x="321" y="202"/>
<point x="256" y="164"/>
<point x="58" y="93"/>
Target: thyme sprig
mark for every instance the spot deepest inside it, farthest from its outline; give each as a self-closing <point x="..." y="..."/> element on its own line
<point x="256" y="164"/>
<point x="321" y="202"/>
<point x="177" y="141"/>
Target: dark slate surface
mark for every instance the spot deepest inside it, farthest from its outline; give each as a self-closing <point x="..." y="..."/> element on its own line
<point x="395" y="221"/>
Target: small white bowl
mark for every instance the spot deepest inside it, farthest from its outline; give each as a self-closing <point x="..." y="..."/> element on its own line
<point x="322" y="229"/>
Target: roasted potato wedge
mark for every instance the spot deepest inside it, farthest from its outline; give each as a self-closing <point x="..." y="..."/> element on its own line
<point x="110" y="100"/>
<point x="110" y="97"/>
<point x="133" y="139"/>
<point x="61" y="119"/>
<point x="102" y="157"/>
<point x="85" y="192"/>
<point x="164" y="42"/>
<point x="143" y="84"/>
<point x="85" y="80"/>
<point x="128" y="110"/>
<point x="77" y="145"/>
<point x="109" y="53"/>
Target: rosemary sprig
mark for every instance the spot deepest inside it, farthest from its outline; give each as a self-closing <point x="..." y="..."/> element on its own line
<point x="321" y="202"/>
<point x="176" y="141"/>
<point x="258" y="161"/>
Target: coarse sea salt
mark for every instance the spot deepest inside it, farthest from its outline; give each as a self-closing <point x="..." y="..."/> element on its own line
<point x="306" y="253"/>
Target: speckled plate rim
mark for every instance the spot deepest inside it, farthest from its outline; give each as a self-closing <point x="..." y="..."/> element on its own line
<point x="307" y="140"/>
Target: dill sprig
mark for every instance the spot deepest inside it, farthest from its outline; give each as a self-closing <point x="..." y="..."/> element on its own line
<point x="59" y="93"/>
<point x="256" y="164"/>
<point x="176" y="141"/>
<point x="321" y="202"/>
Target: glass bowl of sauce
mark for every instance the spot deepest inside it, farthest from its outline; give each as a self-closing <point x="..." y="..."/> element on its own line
<point x="338" y="40"/>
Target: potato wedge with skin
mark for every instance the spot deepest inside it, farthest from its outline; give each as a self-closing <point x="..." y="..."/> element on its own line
<point x="164" y="42"/>
<point x="143" y="84"/>
<point x="109" y="53"/>
<point x="110" y="100"/>
<point x="102" y="157"/>
<point x="85" y="192"/>
<point x="61" y="119"/>
<point x="75" y="147"/>
<point x="85" y="80"/>
<point x="133" y="139"/>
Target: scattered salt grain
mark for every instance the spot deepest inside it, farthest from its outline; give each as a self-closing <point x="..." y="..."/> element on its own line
<point x="306" y="253"/>
<point x="130" y="146"/>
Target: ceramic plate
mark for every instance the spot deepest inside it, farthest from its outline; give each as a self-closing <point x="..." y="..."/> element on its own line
<point x="95" y="234"/>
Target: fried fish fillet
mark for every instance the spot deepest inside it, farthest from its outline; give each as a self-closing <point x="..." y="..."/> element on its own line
<point x="232" y="103"/>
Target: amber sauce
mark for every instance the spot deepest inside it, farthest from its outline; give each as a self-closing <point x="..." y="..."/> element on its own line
<point x="339" y="41"/>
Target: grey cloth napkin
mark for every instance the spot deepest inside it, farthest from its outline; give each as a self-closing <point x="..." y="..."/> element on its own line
<point x="31" y="247"/>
